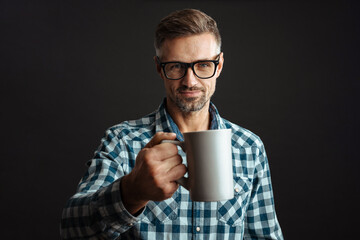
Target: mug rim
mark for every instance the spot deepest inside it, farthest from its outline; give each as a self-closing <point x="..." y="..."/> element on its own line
<point x="209" y="131"/>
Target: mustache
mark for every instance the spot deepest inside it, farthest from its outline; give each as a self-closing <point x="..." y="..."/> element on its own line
<point x="185" y="88"/>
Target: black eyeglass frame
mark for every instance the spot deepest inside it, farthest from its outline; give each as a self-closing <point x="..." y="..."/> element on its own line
<point x="191" y="65"/>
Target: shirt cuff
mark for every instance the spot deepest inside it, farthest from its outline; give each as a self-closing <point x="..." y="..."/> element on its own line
<point x="112" y="209"/>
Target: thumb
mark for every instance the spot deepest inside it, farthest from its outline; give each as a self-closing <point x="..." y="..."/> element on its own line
<point x="160" y="136"/>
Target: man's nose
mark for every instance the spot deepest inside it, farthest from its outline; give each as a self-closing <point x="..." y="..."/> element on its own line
<point x="190" y="79"/>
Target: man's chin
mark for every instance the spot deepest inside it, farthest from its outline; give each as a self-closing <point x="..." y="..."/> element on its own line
<point x="190" y="100"/>
<point x="190" y="104"/>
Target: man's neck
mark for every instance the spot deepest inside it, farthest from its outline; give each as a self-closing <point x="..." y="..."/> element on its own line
<point x="190" y="121"/>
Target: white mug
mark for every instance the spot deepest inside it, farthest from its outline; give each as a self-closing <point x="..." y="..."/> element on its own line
<point x="209" y="160"/>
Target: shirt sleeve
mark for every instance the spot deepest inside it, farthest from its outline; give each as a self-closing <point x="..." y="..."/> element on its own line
<point x="261" y="221"/>
<point x="96" y="211"/>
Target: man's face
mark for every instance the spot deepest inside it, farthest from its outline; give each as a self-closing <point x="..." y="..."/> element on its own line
<point x="190" y="93"/>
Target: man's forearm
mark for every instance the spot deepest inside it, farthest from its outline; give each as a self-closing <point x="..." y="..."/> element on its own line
<point x="101" y="213"/>
<point x="128" y="195"/>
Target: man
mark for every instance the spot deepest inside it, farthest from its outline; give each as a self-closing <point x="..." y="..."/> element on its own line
<point x="130" y="189"/>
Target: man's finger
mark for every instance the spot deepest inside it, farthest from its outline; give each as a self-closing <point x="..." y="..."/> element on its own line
<point x="177" y="172"/>
<point x="171" y="162"/>
<point x="160" y="136"/>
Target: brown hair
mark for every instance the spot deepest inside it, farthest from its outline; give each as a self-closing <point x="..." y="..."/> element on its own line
<point x="183" y="23"/>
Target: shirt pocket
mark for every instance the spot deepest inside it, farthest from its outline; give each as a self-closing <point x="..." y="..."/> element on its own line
<point x="163" y="211"/>
<point x="232" y="211"/>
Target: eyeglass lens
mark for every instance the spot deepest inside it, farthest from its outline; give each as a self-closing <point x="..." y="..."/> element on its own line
<point x="201" y="69"/>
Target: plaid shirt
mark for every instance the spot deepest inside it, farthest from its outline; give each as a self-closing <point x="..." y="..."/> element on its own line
<point x="96" y="211"/>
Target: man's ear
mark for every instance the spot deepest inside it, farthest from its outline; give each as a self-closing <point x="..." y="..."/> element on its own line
<point x="158" y="67"/>
<point x="220" y="65"/>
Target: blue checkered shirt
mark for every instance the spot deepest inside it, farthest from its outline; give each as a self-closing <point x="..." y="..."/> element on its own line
<point x="96" y="211"/>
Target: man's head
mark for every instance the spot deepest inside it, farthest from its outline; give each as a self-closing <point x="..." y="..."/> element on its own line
<point x="188" y="59"/>
<point x="184" y="23"/>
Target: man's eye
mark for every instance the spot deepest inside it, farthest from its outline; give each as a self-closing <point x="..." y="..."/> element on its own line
<point x="174" y="66"/>
<point x="204" y="65"/>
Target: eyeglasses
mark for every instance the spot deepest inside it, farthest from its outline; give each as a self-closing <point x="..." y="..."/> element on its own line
<point x="202" y="69"/>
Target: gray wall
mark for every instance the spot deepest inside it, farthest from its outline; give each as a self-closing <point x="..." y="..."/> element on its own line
<point x="70" y="70"/>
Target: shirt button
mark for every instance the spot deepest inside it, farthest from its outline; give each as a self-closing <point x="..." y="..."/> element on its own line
<point x="237" y="190"/>
<point x="198" y="229"/>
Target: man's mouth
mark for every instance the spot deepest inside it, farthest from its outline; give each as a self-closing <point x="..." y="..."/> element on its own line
<point x="189" y="92"/>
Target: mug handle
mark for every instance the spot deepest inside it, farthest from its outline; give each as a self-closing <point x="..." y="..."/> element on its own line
<point x="183" y="181"/>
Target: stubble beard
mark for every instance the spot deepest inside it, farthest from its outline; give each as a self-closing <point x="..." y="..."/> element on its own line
<point x="192" y="104"/>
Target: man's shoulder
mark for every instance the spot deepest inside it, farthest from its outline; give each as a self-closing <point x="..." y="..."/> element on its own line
<point x="141" y="126"/>
<point x="242" y="136"/>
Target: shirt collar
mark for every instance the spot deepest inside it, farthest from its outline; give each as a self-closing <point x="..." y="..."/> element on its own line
<point x="165" y="123"/>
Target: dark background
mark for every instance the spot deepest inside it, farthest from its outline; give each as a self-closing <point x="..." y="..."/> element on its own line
<point x="71" y="69"/>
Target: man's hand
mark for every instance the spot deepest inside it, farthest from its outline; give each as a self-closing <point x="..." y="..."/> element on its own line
<point x="157" y="168"/>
